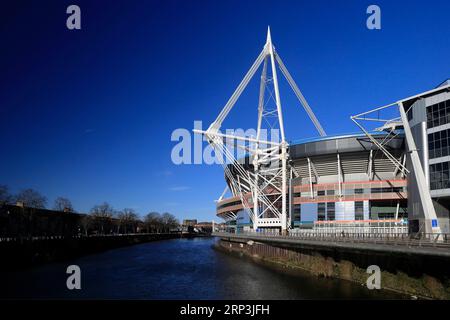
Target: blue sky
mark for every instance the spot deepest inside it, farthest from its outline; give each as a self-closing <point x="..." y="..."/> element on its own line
<point x="88" y="114"/>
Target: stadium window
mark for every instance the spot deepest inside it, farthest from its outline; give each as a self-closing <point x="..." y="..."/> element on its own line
<point x="438" y="114"/>
<point x="321" y="211"/>
<point x="376" y="190"/>
<point x="321" y="192"/>
<point x="297" y="212"/>
<point x="359" y="210"/>
<point x="331" y="211"/>
<point x="439" y="176"/>
<point x="439" y="144"/>
<point x="359" y="191"/>
<point x="385" y="215"/>
<point x="349" y="192"/>
<point x="330" y="192"/>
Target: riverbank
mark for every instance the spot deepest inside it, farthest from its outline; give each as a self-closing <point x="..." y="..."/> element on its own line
<point x="332" y="265"/>
<point x="20" y="253"/>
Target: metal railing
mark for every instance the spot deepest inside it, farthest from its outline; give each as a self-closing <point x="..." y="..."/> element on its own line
<point x="441" y="240"/>
<point x="379" y="228"/>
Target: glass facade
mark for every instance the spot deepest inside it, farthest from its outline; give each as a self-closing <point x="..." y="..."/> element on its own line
<point x="387" y="189"/>
<point x="438" y="114"/>
<point x="439" y="144"/>
<point x="331" y="211"/>
<point x="439" y="176"/>
<point x="350" y="192"/>
<point x="321" y="209"/>
<point x="297" y="211"/>
<point x="359" y="210"/>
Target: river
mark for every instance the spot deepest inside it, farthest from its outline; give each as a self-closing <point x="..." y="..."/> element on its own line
<point x="174" y="269"/>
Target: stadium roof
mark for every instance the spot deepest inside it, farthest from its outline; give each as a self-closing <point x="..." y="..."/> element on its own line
<point x="334" y="137"/>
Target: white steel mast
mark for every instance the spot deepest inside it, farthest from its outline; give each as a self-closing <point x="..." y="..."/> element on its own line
<point x="266" y="186"/>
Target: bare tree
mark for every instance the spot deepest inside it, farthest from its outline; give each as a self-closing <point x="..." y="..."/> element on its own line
<point x="103" y="210"/>
<point x="63" y="204"/>
<point x="169" y="221"/>
<point x="153" y="222"/>
<point x="102" y="214"/>
<point x="32" y="198"/>
<point x="5" y="196"/>
<point x="127" y="219"/>
<point x="86" y="223"/>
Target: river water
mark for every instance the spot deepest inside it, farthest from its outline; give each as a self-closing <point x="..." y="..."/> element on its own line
<point x="175" y="269"/>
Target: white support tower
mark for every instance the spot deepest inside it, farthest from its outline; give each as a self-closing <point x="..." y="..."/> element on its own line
<point x="263" y="191"/>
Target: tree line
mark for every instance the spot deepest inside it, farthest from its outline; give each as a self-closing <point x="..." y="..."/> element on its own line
<point x="102" y="218"/>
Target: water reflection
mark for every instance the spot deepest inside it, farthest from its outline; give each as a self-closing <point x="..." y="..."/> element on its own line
<point x="175" y="269"/>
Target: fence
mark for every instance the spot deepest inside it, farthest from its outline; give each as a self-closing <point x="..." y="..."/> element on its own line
<point x="392" y="232"/>
<point x="346" y="228"/>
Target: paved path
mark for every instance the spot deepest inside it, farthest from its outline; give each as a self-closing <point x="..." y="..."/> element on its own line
<point x="414" y="247"/>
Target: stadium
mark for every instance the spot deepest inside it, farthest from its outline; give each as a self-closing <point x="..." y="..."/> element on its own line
<point x="391" y="179"/>
<point x="339" y="179"/>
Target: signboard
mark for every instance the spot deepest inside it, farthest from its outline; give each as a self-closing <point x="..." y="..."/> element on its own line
<point x="434" y="223"/>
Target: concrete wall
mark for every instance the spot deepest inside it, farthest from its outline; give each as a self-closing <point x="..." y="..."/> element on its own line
<point x="407" y="273"/>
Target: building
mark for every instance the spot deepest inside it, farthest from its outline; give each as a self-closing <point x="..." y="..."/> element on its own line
<point x="204" y="226"/>
<point x="347" y="179"/>
<point x="189" y="222"/>
<point x="429" y="118"/>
